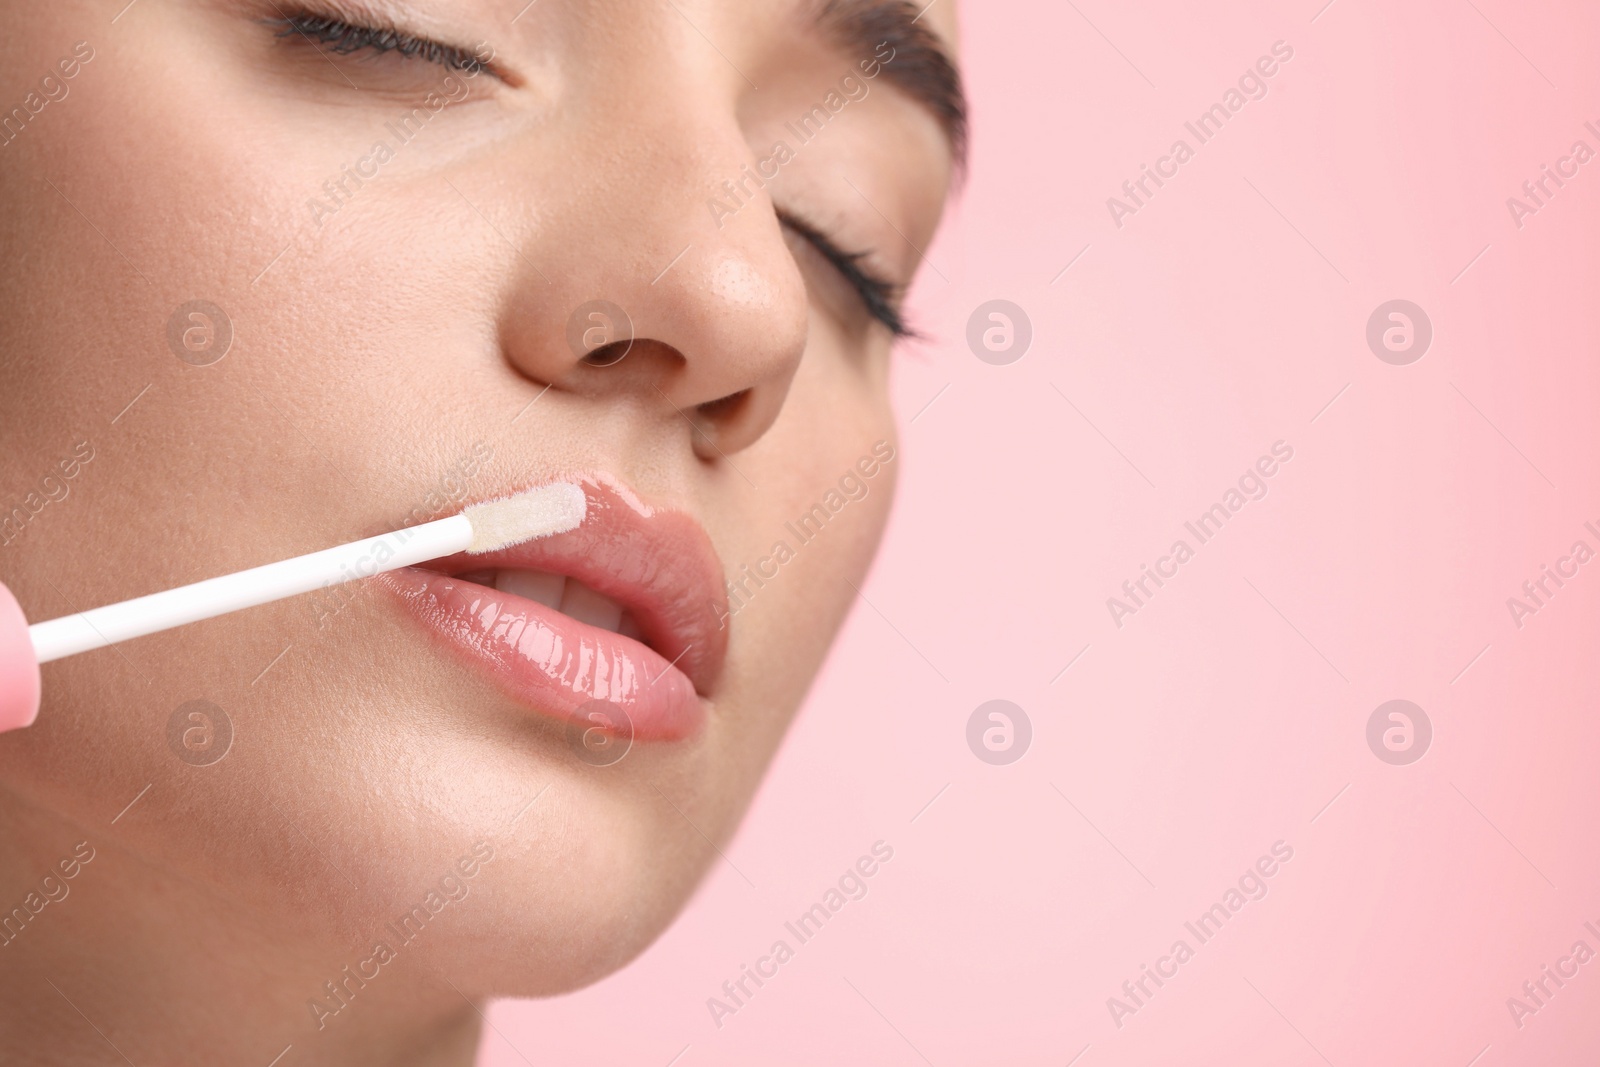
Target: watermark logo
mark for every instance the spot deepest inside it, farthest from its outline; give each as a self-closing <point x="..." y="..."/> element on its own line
<point x="999" y="332"/>
<point x="1139" y="591"/>
<point x="339" y="992"/>
<point x="53" y="488"/>
<point x="600" y="734"/>
<point x="1399" y="332"/>
<point x="1252" y="886"/>
<point x="199" y="333"/>
<point x="999" y="732"/>
<point x="1137" y="193"/>
<point x="1537" y="993"/>
<point x="852" y="885"/>
<point x="853" y="485"/>
<point x="600" y="333"/>
<point x="450" y="490"/>
<point x="52" y="89"/>
<point x="1399" y="732"/>
<point x="404" y="128"/>
<point x="1538" y="192"/>
<point x="199" y="733"/>
<point x="1537" y="592"/>
<point x="52" y="888"/>
<point x="733" y="196"/>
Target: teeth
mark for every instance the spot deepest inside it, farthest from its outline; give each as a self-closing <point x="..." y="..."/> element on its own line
<point x="584" y="604"/>
<point x="571" y="598"/>
<point x="547" y="589"/>
<point x="630" y="628"/>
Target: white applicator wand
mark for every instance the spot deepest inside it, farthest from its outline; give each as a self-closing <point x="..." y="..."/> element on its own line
<point x="542" y="512"/>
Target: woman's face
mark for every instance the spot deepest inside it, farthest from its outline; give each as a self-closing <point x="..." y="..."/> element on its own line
<point x="421" y="275"/>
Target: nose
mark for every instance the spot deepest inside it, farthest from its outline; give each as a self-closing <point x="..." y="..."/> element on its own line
<point x="630" y="286"/>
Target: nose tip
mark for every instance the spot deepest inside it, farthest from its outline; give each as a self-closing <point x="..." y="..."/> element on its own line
<point x="763" y="324"/>
<point x="642" y="291"/>
<point x="672" y="311"/>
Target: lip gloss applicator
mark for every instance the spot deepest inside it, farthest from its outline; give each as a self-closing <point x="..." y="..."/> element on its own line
<point x="486" y="527"/>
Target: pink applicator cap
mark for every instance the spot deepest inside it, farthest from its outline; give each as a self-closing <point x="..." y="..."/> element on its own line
<point x="19" y="667"/>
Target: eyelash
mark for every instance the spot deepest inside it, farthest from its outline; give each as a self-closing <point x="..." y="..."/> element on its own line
<point x="880" y="296"/>
<point x="344" y="38"/>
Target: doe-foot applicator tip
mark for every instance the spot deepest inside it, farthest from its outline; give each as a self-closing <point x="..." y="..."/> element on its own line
<point x="543" y="512"/>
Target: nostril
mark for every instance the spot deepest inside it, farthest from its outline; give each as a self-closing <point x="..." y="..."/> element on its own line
<point x="608" y="355"/>
<point x="725" y="408"/>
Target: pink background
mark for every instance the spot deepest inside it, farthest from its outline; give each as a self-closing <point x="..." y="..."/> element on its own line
<point x="1230" y="712"/>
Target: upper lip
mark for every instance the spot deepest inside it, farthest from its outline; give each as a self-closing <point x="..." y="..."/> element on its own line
<point x="657" y="563"/>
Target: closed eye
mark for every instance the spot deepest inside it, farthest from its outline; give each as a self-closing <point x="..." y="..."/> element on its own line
<point x="344" y="38"/>
<point x="881" y="296"/>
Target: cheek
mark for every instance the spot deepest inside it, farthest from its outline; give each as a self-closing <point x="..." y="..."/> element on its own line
<point x="836" y="412"/>
<point x="197" y="207"/>
<point x="202" y="188"/>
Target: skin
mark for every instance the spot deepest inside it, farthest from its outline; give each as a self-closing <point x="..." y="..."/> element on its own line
<point x="373" y="349"/>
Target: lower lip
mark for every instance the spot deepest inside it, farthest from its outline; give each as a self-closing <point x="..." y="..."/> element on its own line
<point x="554" y="664"/>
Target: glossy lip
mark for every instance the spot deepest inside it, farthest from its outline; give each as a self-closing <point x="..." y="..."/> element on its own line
<point x="658" y="564"/>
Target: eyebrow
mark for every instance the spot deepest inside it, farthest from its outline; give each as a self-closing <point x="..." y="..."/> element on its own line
<point x="922" y="66"/>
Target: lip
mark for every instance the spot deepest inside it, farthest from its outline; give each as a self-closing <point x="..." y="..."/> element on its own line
<point x="657" y="563"/>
